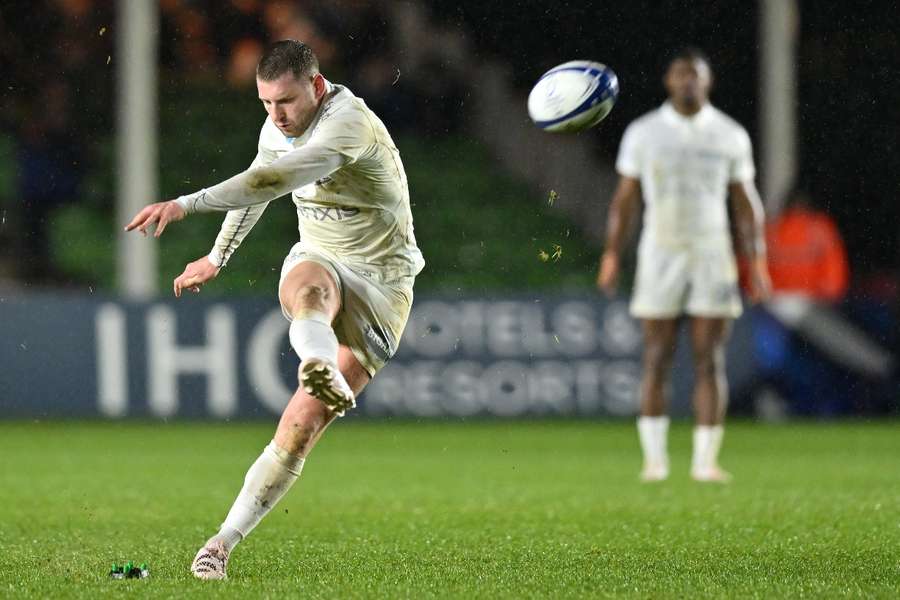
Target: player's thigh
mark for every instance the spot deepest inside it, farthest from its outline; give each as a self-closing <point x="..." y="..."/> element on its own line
<point x="708" y="335"/>
<point x="714" y="290"/>
<point x="305" y="418"/>
<point x="310" y="284"/>
<point x="660" y="337"/>
<point x="354" y="372"/>
<point x="661" y="283"/>
<point x="373" y="317"/>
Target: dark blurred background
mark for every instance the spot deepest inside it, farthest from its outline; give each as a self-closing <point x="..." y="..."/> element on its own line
<point x="58" y="118"/>
<point x="450" y="81"/>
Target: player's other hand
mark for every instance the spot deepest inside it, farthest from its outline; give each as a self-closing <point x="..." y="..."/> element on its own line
<point x="160" y="213"/>
<point x="195" y="274"/>
<point x="608" y="277"/>
<point x="760" y="282"/>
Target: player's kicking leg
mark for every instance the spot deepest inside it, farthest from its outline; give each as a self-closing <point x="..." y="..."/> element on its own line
<point x="311" y="296"/>
<point x="329" y="376"/>
<point x="653" y="425"/>
<point x="708" y="338"/>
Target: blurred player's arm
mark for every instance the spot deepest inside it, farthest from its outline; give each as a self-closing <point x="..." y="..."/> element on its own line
<point x="749" y="225"/>
<point x="749" y="217"/>
<point x="620" y="222"/>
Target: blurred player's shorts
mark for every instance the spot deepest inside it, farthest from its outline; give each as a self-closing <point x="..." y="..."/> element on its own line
<point x="696" y="279"/>
<point x="374" y="309"/>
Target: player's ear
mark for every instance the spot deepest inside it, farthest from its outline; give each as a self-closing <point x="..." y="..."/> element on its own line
<point x="318" y="85"/>
<point x="666" y="78"/>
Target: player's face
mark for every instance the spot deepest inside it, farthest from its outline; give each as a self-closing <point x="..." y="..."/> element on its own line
<point x="688" y="81"/>
<point x="292" y="102"/>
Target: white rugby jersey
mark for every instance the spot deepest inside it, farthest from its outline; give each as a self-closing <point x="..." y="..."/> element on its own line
<point x="685" y="165"/>
<point x="347" y="182"/>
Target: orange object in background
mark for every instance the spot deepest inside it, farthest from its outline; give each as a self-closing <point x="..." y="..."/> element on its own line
<point x="806" y="254"/>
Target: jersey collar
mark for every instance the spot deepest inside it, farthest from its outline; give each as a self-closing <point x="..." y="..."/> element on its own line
<point x="674" y="116"/>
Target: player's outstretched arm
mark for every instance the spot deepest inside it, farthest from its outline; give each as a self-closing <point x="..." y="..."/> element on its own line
<point x="749" y="218"/>
<point x="333" y="144"/>
<point x="159" y="214"/>
<point x="622" y="212"/>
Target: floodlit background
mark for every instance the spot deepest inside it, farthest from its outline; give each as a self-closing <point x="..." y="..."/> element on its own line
<point x="499" y="445"/>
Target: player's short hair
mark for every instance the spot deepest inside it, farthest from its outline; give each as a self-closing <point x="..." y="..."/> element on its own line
<point x="287" y="56"/>
<point x="690" y="54"/>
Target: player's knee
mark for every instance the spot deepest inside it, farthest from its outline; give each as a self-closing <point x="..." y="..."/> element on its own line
<point x="306" y="296"/>
<point x="708" y="362"/>
<point x="658" y="359"/>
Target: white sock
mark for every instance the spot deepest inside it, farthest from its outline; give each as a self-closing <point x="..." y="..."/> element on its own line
<point x="653" y="433"/>
<point x="268" y="479"/>
<point x="312" y="336"/>
<point x="707" y="441"/>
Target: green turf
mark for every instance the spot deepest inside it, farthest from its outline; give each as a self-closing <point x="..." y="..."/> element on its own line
<point x="497" y="509"/>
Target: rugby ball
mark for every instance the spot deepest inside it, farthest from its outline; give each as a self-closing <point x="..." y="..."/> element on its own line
<point x="573" y="96"/>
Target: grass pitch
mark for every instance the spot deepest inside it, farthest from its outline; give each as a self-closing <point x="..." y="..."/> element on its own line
<point x="464" y="510"/>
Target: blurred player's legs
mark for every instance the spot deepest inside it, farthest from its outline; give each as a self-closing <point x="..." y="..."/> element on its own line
<point x="708" y="338"/>
<point x="310" y="294"/>
<point x="710" y="397"/>
<point x="653" y="424"/>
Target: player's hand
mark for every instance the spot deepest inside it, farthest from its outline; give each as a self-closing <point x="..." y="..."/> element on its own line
<point x="608" y="277"/>
<point x="195" y="274"/>
<point x="760" y="282"/>
<point x="160" y="213"/>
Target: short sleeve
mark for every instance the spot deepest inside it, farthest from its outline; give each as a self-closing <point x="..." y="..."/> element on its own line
<point x="630" y="160"/>
<point x="742" y="168"/>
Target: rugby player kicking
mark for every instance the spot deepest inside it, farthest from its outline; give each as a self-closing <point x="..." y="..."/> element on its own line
<point x="346" y="287"/>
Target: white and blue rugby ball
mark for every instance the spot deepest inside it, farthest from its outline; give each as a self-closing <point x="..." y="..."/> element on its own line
<point x="573" y="96"/>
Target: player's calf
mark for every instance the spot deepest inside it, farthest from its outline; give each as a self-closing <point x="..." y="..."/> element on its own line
<point x="266" y="482"/>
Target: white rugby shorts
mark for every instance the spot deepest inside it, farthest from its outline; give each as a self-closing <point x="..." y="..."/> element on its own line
<point x="690" y="279"/>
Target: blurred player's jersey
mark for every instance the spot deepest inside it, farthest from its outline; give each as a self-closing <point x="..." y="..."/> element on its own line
<point x="685" y="165"/>
<point x="346" y="180"/>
